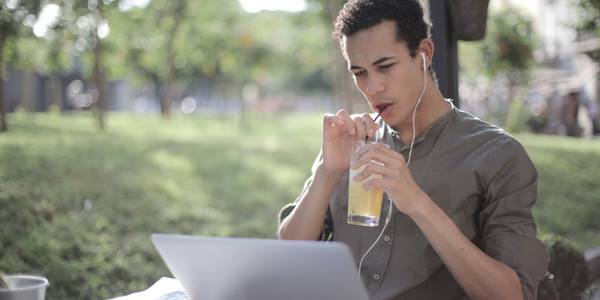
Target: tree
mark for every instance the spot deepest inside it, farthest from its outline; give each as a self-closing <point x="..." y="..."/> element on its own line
<point x="150" y="48"/>
<point x="213" y="42"/>
<point x="217" y="42"/>
<point x="507" y="52"/>
<point x="345" y="94"/>
<point x="177" y="11"/>
<point x="13" y="14"/>
<point x="508" y="47"/>
<point x="588" y="23"/>
<point x="182" y="46"/>
<point x="91" y="28"/>
<point x="80" y="33"/>
<point x="589" y="17"/>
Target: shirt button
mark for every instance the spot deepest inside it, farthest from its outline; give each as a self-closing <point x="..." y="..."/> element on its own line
<point x="376" y="276"/>
<point x="387" y="238"/>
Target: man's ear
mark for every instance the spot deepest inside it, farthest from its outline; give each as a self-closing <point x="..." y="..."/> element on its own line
<point x="427" y="47"/>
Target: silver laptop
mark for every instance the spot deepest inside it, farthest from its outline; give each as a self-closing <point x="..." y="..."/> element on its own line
<point x="215" y="268"/>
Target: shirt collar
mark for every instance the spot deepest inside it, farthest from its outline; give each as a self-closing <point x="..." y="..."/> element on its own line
<point x="391" y="137"/>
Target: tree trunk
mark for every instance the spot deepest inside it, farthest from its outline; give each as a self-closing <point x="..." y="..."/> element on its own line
<point x="54" y="92"/>
<point x="100" y="82"/>
<point x="170" y="76"/>
<point x="157" y="85"/>
<point x="3" y="125"/>
<point x="512" y="85"/>
<point x="166" y="100"/>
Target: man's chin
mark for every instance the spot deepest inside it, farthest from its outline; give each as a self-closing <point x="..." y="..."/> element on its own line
<point x="397" y="120"/>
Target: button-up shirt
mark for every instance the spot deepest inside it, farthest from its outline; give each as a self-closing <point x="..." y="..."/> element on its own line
<point x="482" y="178"/>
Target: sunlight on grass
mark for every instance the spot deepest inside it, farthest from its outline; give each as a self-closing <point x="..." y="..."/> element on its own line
<point x="79" y="204"/>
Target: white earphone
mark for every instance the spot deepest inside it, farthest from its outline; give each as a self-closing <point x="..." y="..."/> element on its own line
<point x="412" y="143"/>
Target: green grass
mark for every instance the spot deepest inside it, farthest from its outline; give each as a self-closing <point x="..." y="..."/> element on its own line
<point x="78" y="205"/>
<point x="568" y="206"/>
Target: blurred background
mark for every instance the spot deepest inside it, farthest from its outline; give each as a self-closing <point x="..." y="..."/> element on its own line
<point x="120" y="118"/>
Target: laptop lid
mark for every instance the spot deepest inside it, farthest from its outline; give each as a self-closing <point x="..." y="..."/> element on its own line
<point x="215" y="268"/>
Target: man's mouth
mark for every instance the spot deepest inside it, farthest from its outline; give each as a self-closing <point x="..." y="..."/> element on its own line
<point x="381" y="107"/>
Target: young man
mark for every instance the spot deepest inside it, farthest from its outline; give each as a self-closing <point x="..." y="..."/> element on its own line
<point x="461" y="223"/>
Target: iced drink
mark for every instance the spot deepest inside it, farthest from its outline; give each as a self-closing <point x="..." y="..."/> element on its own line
<point x="364" y="205"/>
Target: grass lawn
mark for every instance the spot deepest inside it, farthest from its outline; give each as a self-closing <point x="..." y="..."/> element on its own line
<point x="568" y="206"/>
<point x="78" y="204"/>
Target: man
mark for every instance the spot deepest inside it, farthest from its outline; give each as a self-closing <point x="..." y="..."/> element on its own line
<point x="462" y="189"/>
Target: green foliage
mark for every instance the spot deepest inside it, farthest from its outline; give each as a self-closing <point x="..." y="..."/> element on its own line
<point x="508" y="45"/>
<point x="79" y="205"/>
<point x="587" y="22"/>
<point x="504" y="57"/>
<point x="217" y="40"/>
<point x="12" y="16"/>
<point x="588" y="19"/>
<point x="471" y="65"/>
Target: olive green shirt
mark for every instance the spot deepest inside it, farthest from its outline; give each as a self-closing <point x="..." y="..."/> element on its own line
<point x="482" y="178"/>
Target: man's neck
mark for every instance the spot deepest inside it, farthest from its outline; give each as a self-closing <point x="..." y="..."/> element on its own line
<point x="432" y="107"/>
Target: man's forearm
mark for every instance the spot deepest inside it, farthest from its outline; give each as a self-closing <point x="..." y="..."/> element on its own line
<point x="306" y="221"/>
<point x="481" y="276"/>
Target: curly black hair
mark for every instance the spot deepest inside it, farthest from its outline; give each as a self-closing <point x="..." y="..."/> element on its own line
<point x="411" y="27"/>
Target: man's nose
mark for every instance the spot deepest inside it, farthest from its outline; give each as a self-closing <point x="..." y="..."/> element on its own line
<point x="375" y="85"/>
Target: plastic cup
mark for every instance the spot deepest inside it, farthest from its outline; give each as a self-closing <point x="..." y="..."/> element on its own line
<point x="24" y="287"/>
<point x="364" y="205"/>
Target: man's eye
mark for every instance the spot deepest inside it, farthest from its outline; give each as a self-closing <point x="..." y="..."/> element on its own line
<point x="383" y="67"/>
<point x="359" y="73"/>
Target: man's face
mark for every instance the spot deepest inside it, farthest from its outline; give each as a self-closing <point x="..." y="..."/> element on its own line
<point x="383" y="70"/>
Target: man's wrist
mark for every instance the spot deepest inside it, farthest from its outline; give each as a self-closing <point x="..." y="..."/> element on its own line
<point x="423" y="209"/>
<point x="328" y="176"/>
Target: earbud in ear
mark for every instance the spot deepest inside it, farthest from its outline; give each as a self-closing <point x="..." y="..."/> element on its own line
<point x="424" y="60"/>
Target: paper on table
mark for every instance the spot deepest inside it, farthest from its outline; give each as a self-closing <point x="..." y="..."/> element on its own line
<point x="164" y="289"/>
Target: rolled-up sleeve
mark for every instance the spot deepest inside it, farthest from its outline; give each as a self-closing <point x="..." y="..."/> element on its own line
<point x="507" y="224"/>
<point x="327" y="232"/>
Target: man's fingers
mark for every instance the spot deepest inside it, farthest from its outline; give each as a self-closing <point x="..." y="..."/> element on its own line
<point x="393" y="155"/>
<point x="344" y="117"/>
<point x="371" y="126"/>
<point x="332" y="120"/>
<point x="361" y="127"/>
<point x="378" y="157"/>
<point x="375" y="168"/>
<point x="377" y="182"/>
<point x="381" y="153"/>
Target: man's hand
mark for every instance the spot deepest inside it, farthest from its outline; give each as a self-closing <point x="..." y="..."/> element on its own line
<point x="481" y="276"/>
<point x="339" y="132"/>
<point x="396" y="179"/>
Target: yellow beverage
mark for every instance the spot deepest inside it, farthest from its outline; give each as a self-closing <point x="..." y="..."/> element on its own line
<point x="364" y="206"/>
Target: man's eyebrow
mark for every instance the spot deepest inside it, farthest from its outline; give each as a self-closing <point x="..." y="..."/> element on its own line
<point x="381" y="60"/>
